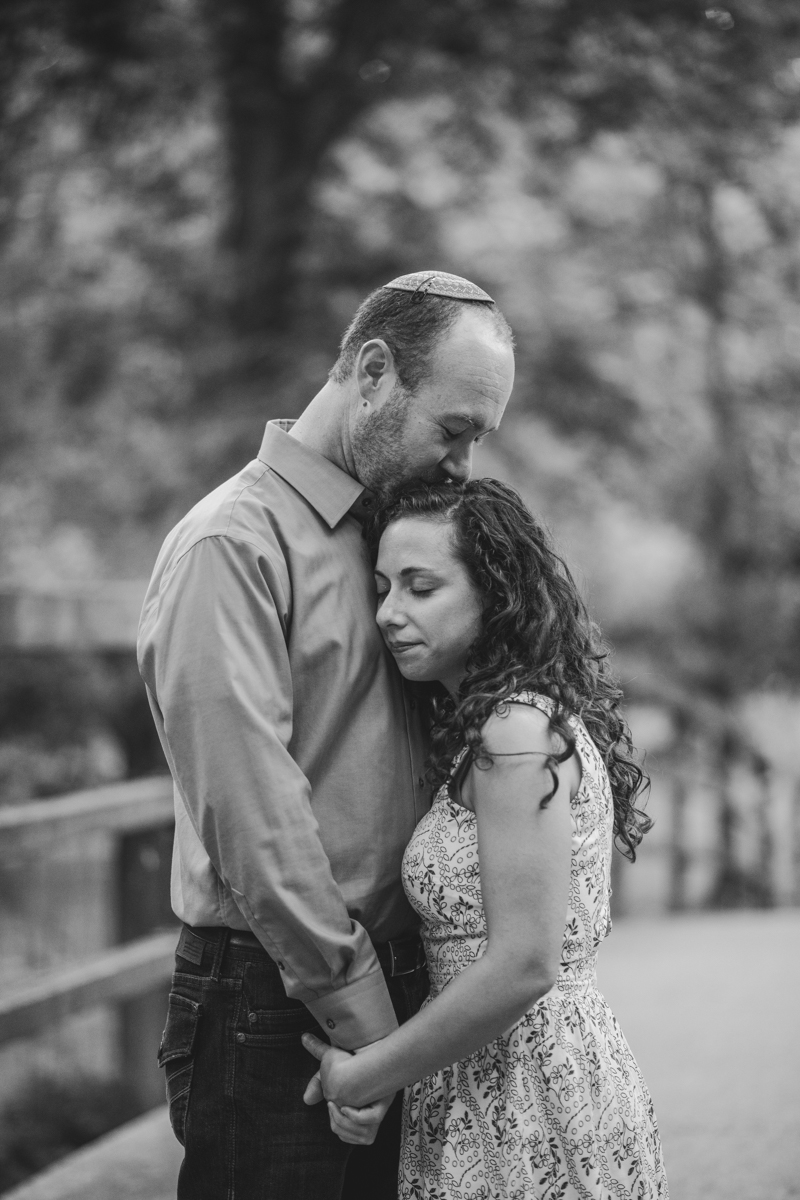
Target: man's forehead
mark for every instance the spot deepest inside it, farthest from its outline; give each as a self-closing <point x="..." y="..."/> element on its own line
<point x="473" y="342"/>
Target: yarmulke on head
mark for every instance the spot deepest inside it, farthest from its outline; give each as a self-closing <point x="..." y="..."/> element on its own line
<point x="412" y="314"/>
<point x="439" y="283"/>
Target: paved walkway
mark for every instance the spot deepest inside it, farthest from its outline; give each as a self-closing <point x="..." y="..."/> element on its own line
<point x="710" y="1005"/>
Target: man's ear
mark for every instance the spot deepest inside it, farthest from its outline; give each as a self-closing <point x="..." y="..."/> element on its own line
<point x="374" y="372"/>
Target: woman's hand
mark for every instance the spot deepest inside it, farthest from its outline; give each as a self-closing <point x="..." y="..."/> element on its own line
<point x="358" y="1126"/>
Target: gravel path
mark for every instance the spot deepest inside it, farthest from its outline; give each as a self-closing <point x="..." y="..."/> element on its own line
<point x="710" y="1005"/>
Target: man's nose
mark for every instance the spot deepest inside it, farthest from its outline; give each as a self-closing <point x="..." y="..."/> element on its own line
<point x="458" y="463"/>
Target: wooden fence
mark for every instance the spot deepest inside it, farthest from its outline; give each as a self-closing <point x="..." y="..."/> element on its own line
<point x="103" y="616"/>
<point x="135" y="973"/>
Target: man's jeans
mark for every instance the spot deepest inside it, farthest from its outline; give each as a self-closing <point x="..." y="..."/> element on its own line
<point x="236" y="1072"/>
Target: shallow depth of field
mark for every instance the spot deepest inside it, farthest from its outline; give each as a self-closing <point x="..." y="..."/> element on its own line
<point x="195" y="198"/>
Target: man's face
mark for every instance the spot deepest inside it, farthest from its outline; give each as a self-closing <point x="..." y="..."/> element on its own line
<point x="431" y="433"/>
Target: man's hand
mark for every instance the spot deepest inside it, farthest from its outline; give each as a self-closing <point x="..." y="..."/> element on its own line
<point x="358" y="1126"/>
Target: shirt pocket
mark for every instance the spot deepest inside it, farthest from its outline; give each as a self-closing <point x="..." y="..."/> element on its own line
<point x="175" y="1055"/>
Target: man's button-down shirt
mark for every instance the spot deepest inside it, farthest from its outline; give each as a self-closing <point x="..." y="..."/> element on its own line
<point x="295" y="756"/>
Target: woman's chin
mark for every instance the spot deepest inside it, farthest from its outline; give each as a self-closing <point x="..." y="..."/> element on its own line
<point x="410" y="673"/>
<point x="413" y="672"/>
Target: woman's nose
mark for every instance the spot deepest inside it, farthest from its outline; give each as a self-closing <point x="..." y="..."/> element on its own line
<point x="458" y="463"/>
<point x="388" y="613"/>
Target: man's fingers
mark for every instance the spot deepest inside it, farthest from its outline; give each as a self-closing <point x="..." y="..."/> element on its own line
<point x="315" y="1045"/>
<point x="313" y="1093"/>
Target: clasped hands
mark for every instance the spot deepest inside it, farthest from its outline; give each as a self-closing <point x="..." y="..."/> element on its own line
<point x="358" y="1126"/>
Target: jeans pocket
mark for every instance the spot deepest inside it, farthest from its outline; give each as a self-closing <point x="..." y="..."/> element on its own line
<point x="175" y="1056"/>
<point x="268" y="1016"/>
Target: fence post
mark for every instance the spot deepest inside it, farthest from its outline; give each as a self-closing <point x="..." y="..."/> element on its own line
<point x="143" y="871"/>
<point x="678" y="856"/>
<point x="764" y="889"/>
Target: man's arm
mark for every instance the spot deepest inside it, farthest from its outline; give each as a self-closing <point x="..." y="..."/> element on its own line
<point x="525" y="853"/>
<point x="213" y="654"/>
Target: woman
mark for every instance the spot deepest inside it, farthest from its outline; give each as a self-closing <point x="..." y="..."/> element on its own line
<point x="519" y="1081"/>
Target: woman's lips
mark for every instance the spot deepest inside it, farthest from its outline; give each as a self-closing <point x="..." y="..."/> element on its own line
<point x="401" y="647"/>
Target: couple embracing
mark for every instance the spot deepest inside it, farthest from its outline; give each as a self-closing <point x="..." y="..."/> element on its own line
<point x="399" y="765"/>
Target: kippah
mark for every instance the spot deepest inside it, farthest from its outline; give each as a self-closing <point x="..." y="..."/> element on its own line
<point x="439" y="283"/>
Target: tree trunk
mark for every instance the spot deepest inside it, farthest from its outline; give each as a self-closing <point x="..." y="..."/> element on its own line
<point x="289" y="90"/>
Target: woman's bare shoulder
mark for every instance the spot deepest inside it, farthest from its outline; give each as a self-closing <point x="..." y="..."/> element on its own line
<point x="518" y="728"/>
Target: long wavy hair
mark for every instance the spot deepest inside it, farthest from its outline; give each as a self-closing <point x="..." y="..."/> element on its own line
<point x="536" y="636"/>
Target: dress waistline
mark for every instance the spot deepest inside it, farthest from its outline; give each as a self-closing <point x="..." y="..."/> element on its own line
<point x="577" y="976"/>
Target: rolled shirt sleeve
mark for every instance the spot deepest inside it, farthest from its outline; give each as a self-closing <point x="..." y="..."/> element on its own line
<point x="213" y="653"/>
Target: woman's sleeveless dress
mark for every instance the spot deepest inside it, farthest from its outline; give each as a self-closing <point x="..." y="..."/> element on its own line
<point x="557" y="1108"/>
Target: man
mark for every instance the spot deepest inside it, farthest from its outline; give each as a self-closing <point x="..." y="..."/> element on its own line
<point x="296" y="757"/>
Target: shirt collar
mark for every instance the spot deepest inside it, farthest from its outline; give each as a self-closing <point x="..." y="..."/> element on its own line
<point x="328" y="489"/>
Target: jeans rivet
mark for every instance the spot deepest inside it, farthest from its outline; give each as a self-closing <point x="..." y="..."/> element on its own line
<point x="251" y="1017"/>
<point x="240" y="1037"/>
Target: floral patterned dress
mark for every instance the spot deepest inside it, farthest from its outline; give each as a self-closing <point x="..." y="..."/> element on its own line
<point x="556" y="1108"/>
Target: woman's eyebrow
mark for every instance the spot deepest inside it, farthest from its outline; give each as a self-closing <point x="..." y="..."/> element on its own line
<point x="406" y="571"/>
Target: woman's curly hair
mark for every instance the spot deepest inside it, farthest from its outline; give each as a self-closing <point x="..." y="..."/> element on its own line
<point x="536" y="636"/>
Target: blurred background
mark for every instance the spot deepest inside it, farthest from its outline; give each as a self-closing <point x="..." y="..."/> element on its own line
<point x="195" y="198"/>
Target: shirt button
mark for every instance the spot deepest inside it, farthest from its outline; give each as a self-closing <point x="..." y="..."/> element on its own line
<point x="331" y="1024"/>
<point x="421" y="782"/>
<point x="281" y="967"/>
<point x="367" y="502"/>
<point x="241" y="1037"/>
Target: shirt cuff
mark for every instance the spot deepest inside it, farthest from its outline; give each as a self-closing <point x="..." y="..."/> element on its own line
<point x="357" y="1014"/>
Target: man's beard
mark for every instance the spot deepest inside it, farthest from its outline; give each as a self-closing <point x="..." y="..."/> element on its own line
<point x="378" y="448"/>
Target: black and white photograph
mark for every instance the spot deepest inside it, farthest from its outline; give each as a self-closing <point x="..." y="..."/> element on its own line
<point x="399" y="600"/>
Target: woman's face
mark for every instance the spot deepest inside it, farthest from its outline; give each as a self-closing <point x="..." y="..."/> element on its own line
<point x="429" y="611"/>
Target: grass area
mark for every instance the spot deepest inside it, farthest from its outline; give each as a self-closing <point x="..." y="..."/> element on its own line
<point x="52" y="1116"/>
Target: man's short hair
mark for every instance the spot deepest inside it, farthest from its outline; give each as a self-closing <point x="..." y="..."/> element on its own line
<point x="411" y="325"/>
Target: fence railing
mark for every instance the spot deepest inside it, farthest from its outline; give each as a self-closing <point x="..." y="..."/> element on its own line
<point x="134" y="973"/>
<point x="102" y="616"/>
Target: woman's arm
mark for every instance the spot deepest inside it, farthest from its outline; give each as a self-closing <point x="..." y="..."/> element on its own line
<point x="525" y="872"/>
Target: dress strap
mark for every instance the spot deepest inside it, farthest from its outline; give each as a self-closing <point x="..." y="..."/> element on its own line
<point x="533" y="699"/>
<point x="461" y="764"/>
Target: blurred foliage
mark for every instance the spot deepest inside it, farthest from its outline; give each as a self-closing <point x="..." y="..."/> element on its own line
<point x="53" y="1116"/>
<point x="70" y="721"/>
<point x="198" y="195"/>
